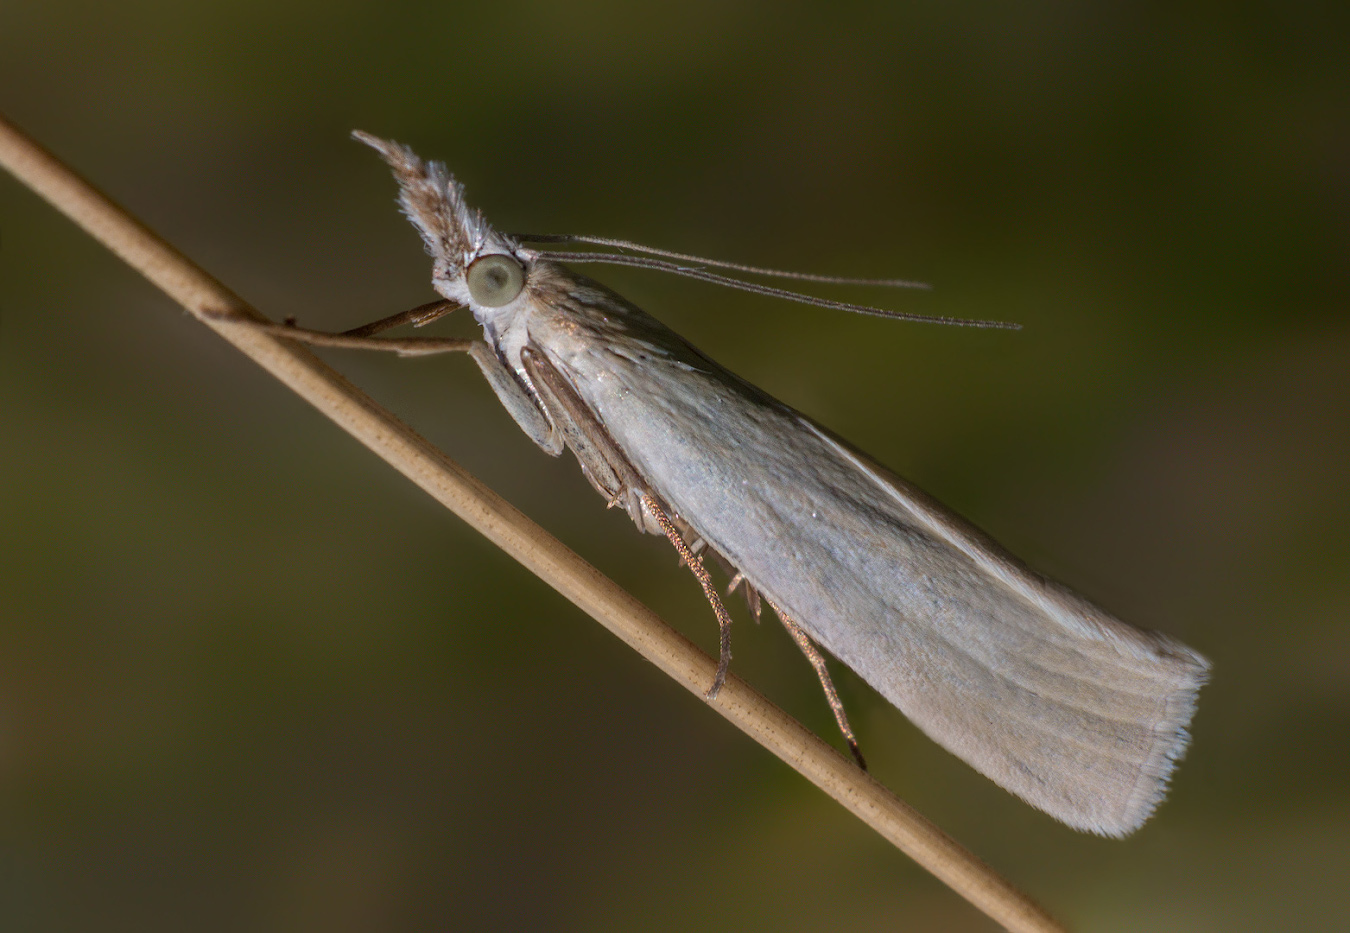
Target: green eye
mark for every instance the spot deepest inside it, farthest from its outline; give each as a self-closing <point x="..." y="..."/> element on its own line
<point x="495" y="280"/>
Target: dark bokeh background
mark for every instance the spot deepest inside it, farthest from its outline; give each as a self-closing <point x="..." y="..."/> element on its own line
<point x="252" y="679"/>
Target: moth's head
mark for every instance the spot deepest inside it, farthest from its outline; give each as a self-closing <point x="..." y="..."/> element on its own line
<point x="473" y="263"/>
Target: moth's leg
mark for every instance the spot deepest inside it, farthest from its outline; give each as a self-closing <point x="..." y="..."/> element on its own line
<point x="527" y="411"/>
<point x="600" y="456"/>
<point x="519" y="404"/>
<point x="709" y="590"/>
<point x="604" y="465"/>
<point x="696" y="547"/>
<point x="419" y="316"/>
<point x="818" y="662"/>
<point x="409" y="346"/>
<point x="751" y="594"/>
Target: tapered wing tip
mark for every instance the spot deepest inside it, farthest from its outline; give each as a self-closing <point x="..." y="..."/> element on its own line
<point x="1171" y="738"/>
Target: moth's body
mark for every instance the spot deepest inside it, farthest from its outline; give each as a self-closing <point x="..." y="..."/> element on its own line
<point x="1076" y="712"/>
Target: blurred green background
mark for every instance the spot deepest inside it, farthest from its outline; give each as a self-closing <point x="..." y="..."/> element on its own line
<point x="252" y="679"/>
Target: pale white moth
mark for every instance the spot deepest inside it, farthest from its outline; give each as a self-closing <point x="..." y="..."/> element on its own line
<point x="1065" y="706"/>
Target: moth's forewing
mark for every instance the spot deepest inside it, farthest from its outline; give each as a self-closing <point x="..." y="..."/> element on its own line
<point x="1053" y="698"/>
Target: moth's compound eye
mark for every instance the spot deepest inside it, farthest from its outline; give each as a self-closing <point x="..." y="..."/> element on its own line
<point x="495" y="280"/>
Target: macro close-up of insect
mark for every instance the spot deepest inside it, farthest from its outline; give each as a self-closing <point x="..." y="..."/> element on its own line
<point x="895" y="482"/>
<point x="1065" y="706"/>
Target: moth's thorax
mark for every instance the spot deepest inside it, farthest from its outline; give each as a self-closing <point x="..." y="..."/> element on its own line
<point x="575" y="314"/>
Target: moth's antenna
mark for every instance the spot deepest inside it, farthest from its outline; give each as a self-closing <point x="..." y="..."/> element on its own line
<point x="647" y="262"/>
<point x="716" y="263"/>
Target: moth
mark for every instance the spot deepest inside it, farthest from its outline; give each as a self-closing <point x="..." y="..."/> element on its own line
<point x="1074" y="711"/>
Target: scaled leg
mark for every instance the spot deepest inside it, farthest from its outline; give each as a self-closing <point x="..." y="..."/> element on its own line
<point x="709" y="590"/>
<point x="818" y="662"/>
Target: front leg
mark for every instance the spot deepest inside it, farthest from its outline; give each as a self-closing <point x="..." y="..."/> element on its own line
<point x="607" y="469"/>
<point x="531" y="417"/>
<point x="610" y="471"/>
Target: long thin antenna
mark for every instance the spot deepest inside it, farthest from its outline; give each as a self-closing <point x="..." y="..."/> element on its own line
<point x="715" y="263"/>
<point x="647" y="262"/>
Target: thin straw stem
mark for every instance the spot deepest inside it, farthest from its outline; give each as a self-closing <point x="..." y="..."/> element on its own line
<point x="213" y="304"/>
